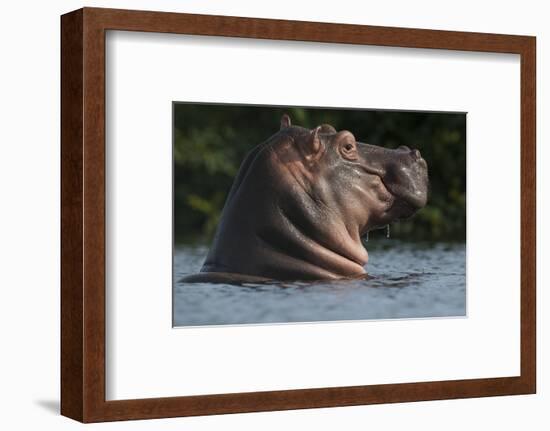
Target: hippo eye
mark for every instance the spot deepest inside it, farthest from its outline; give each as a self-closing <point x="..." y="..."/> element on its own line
<point x="348" y="150"/>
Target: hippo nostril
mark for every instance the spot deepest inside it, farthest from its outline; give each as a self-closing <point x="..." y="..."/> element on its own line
<point x="403" y="147"/>
<point x="416" y="154"/>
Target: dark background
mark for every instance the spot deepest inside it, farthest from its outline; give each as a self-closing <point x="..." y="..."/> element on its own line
<point x="210" y="141"/>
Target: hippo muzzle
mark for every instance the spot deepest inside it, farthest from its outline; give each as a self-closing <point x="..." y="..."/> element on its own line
<point x="403" y="172"/>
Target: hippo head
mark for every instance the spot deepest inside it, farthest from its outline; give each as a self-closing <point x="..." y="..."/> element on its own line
<point x="371" y="185"/>
<point x="303" y="199"/>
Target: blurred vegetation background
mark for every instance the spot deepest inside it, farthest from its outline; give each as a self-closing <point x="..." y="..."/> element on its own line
<point x="210" y="141"/>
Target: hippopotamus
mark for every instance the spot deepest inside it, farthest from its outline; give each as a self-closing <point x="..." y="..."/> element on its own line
<point x="302" y="201"/>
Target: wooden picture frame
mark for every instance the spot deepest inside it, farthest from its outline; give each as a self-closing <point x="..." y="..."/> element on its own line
<point x="83" y="214"/>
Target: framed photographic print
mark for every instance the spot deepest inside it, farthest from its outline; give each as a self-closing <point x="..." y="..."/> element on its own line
<point x="266" y="215"/>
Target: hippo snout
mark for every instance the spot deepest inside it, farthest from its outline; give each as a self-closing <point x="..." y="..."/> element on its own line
<point x="404" y="173"/>
<point x="414" y="153"/>
<point x="407" y="179"/>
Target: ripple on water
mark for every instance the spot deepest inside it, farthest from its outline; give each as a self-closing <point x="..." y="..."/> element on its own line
<point x="406" y="280"/>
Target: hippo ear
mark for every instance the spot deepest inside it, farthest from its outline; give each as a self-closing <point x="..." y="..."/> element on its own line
<point x="285" y="122"/>
<point x="313" y="142"/>
<point x="327" y="128"/>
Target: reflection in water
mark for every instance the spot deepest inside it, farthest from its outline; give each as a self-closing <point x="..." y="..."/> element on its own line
<point x="405" y="280"/>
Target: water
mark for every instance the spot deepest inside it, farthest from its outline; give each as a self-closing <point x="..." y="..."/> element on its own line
<point x="410" y="280"/>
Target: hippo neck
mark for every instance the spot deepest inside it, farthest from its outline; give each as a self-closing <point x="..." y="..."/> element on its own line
<point x="310" y="247"/>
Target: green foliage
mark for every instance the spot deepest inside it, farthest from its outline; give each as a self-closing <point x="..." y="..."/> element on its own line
<point x="210" y="141"/>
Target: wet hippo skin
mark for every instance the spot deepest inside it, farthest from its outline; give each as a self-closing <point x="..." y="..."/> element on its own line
<point x="301" y="202"/>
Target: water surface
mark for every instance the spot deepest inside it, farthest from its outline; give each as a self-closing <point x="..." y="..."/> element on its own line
<point x="409" y="280"/>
